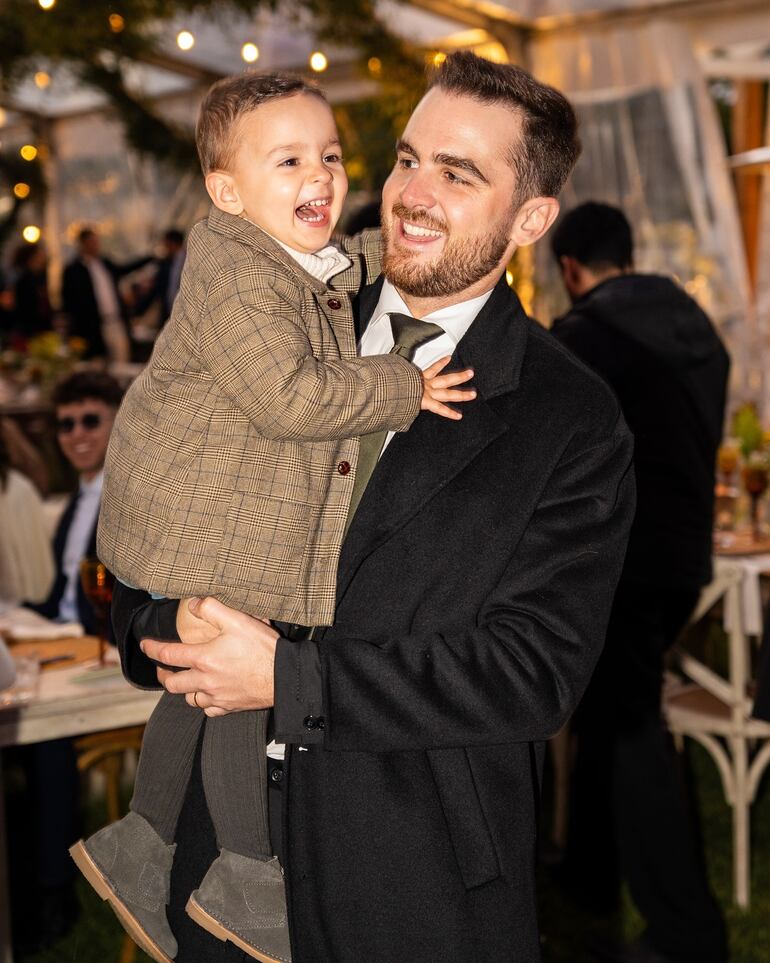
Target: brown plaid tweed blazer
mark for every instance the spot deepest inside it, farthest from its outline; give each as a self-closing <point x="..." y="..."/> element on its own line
<point x="227" y="470"/>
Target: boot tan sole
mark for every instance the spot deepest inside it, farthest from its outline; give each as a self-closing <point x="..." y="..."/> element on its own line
<point x="197" y="913"/>
<point x="128" y="921"/>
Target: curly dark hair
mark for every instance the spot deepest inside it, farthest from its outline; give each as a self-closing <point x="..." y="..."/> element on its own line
<point x="87" y="385"/>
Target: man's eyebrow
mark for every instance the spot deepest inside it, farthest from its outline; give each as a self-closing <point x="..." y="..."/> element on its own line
<point x="405" y="148"/>
<point x="460" y="163"/>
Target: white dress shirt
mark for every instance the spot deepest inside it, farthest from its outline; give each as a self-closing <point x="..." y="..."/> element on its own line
<point x="104" y="289"/>
<point x="76" y="546"/>
<point x="455" y="320"/>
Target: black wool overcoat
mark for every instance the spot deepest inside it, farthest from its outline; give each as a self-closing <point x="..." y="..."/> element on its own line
<point x="473" y="595"/>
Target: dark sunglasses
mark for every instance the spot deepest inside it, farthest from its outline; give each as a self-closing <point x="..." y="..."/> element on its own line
<point x="90" y="422"/>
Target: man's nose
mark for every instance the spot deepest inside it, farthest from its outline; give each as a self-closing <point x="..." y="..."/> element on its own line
<point x="418" y="191"/>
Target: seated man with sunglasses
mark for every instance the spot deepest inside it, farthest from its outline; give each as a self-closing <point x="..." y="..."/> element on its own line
<point x="86" y="404"/>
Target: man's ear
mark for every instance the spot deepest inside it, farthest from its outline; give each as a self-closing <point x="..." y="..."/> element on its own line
<point x="223" y="192"/>
<point x="533" y="219"/>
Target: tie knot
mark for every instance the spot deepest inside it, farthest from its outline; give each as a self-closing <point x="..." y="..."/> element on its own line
<point x="409" y="333"/>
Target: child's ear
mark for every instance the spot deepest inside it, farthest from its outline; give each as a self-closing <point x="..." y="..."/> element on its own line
<point x="223" y="191"/>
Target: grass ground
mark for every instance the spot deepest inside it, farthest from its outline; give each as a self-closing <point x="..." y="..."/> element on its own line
<point x="97" y="937"/>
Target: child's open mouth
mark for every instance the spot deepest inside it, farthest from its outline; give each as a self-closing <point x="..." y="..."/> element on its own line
<point x="314" y="212"/>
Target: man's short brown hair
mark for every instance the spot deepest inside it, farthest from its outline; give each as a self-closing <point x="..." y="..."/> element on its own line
<point x="549" y="144"/>
<point x="228" y="100"/>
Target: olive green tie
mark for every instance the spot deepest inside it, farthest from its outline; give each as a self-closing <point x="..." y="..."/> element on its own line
<point x="408" y="334"/>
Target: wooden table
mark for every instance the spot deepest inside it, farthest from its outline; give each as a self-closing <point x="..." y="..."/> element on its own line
<point x="68" y="703"/>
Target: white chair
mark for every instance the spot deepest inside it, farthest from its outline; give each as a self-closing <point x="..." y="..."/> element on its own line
<point x="716" y="712"/>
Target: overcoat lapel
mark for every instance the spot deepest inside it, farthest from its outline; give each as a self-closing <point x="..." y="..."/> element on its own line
<point x="420" y="462"/>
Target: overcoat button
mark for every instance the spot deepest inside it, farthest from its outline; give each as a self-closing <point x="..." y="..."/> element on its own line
<point x="344" y="467"/>
<point x="309" y="722"/>
<point x="334" y="303"/>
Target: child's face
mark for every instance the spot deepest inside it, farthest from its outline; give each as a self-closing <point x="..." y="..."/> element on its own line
<point x="287" y="174"/>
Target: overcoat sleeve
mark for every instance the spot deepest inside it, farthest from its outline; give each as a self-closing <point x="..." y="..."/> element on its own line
<point x="259" y="353"/>
<point x="520" y="672"/>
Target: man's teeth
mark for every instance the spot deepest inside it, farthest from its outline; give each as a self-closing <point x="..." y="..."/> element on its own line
<point x="413" y="230"/>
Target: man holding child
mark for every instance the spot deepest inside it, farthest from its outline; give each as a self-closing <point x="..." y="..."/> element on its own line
<point x="474" y="583"/>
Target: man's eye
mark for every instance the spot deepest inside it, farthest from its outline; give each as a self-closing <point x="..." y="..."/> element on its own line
<point x="407" y="163"/>
<point x="453" y="178"/>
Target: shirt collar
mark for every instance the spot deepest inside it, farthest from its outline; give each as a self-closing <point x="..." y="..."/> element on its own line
<point x="93" y="487"/>
<point x="455" y="319"/>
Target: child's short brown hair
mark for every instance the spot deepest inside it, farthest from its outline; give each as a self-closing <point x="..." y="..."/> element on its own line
<point x="228" y="100"/>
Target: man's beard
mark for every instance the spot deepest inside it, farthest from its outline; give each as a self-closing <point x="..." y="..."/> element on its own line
<point x="460" y="265"/>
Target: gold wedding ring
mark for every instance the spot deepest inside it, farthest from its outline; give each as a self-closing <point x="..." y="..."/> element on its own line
<point x="195" y="700"/>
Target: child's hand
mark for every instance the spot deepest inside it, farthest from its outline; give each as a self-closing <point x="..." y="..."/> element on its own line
<point x="438" y="388"/>
<point x="191" y="628"/>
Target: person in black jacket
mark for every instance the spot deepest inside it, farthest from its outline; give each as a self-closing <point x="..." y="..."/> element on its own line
<point x="32" y="308"/>
<point x="663" y="358"/>
<point x="165" y="284"/>
<point x="91" y="300"/>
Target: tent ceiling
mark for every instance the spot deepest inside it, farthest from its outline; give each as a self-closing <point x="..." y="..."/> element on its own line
<point x="286" y="43"/>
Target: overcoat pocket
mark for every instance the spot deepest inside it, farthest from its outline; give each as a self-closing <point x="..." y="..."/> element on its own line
<point x="468" y="828"/>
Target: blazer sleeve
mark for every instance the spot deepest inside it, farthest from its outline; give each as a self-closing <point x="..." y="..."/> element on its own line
<point x="520" y="672"/>
<point x="258" y="352"/>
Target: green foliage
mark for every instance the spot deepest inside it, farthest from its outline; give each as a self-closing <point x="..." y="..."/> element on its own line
<point x="747" y="428"/>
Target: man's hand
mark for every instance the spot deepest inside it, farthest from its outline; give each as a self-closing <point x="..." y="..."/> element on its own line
<point x="438" y="388"/>
<point x="228" y="671"/>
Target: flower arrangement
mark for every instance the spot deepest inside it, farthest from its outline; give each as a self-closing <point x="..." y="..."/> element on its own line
<point x="30" y="369"/>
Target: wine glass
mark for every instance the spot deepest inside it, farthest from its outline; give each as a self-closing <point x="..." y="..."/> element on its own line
<point x="97" y="581"/>
<point x="755" y="479"/>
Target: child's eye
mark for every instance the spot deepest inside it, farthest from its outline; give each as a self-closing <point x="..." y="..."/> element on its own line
<point x="332" y="159"/>
<point x="289" y="162"/>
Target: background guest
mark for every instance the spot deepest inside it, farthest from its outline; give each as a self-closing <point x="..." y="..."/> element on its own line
<point x="165" y="284"/>
<point x="32" y="309"/>
<point x="660" y="353"/>
<point x="26" y="561"/>
<point x="91" y="299"/>
<point x="47" y="822"/>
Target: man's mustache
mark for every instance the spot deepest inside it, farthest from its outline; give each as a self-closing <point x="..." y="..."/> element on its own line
<point x="419" y="218"/>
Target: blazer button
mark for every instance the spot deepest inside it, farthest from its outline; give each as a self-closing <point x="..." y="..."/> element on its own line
<point x="344" y="467"/>
<point x="277" y="775"/>
<point x="334" y="303"/>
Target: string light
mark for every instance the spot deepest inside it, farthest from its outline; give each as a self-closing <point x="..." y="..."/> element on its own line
<point x="375" y="66"/>
<point x="318" y="61"/>
<point x="42" y="80"/>
<point x="116" y="22"/>
<point x="21" y="190"/>
<point x="437" y="58"/>
<point x="250" y="52"/>
<point x="28" y="152"/>
<point x="31" y="233"/>
<point x="185" y="40"/>
<point x="509" y="278"/>
<point x="3" y="117"/>
<point x="46" y="4"/>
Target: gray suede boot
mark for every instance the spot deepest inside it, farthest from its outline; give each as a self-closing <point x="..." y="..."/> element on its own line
<point x="129" y="865"/>
<point x="243" y="900"/>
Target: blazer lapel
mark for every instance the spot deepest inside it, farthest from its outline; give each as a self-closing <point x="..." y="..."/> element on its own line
<point x="420" y="462"/>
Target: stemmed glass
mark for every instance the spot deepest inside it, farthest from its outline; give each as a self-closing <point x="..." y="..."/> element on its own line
<point x="97" y="581"/>
<point x="755" y="477"/>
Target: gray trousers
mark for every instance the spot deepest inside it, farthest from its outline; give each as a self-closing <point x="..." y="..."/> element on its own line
<point x="233" y="771"/>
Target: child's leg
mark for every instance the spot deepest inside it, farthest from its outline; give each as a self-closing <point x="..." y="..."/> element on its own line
<point x="234" y="769"/>
<point x="129" y="862"/>
<point x="165" y="763"/>
<point x="242" y="897"/>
